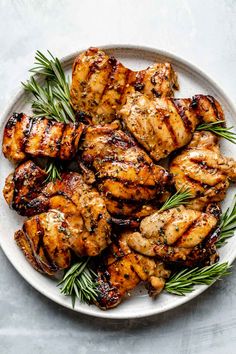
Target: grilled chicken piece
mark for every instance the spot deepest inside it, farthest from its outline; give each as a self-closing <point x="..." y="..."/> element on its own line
<point x="43" y="241"/>
<point x="84" y="209"/>
<point x="100" y="84"/>
<point x="23" y="186"/>
<point x="201" y="168"/>
<point x="162" y="125"/>
<point x="124" y="270"/>
<point x="39" y="137"/>
<point x="126" y="176"/>
<point x="179" y="235"/>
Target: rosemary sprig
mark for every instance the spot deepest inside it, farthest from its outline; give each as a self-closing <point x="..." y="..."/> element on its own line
<point x="228" y="224"/>
<point x="218" y="129"/>
<point x="45" y="103"/>
<point x="80" y="282"/>
<point x="53" y="100"/>
<point x="53" y="171"/>
<point x="183" y="282"/>
<point x="179" y="198"/>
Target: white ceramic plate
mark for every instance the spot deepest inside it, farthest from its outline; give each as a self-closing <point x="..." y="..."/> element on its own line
<point x="192" y="81"/>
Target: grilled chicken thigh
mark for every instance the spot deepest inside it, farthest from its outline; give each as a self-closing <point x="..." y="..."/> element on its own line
<point x="201" y="168"/>
<point x="83" y="207"/>
<point x="23" y="186"/>
<point x="131" y="120"/>
<point x="179" y="235"/>
<point x="39" y="137"/>
<point x="100" y="84"/>
<point x="124" y="269"/>
<point x="126" y="176"/>
<point x="43" y="241"/>
<point x="162" y="125"/>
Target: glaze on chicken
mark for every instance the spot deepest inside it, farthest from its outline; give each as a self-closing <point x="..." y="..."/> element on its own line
<point x="125" y="120"/>
<point x="123" y="269"/>
<point x="39" y="137"/>
<point x="100" y="84"/>
<point x="162" y="125"/>
<point x="202" y="169"/>
<point x="83" y="207"/>
<point x="179" y="235"/>
<point x="43" y="241"/>
<point x="24" y="185"/>
<point x="127" y="178"/>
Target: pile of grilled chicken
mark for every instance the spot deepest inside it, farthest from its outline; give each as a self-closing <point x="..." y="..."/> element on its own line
<point x="109" y="204"/>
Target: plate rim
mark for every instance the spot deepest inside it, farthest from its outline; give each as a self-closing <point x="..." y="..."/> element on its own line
<point x="87" y="310"/>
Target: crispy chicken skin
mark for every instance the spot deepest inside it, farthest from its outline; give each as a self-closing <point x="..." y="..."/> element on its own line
<point x="43" y="241"/>
<point x="179" y="235"/>
<point x="124" y="269"/>
<point x="39" y="137"/>
<point x="126" y="176"/>
<point x="162" y="125"/>
<point x="100" y="84"/>
<point x="84" y="209"/>
<point x="201" y="168"/>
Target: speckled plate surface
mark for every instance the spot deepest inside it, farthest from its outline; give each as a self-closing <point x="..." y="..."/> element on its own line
<point x="192" y="81"/>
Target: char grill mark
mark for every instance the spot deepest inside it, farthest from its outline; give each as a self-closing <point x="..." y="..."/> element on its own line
<point x="201" y="168"/>
<point x="188" y="231"/>
<point x="133" y="192"/>
<point x="100" y="84"/>
<point x="171" y="131"/>
<point x="125" y="182"/>
<point x="28" y="180"/>
<point x="14" y="137"/>
<point x="123" y="269"/>
<point x="43" y="242"/>
<point x="207" y="108"/>
<point x="124" y="173"/>
<point x="181" y="111"/>
<point x="41" y="247"/>
<point x="98" y="68"/>
<point x="124" y="88"/>
<point x="197" y="184"/>
<point x="68" y="204"/>
<point x="114" y="66"/>
<point x="179" y="235"/>
<point x="138" y="82"/>
<point x="213" y="104"/>
<point x="40" y="137"/>
<point x="162" y="125"/>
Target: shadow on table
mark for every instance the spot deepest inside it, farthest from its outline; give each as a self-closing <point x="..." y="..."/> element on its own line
<point x="197" y="307"/>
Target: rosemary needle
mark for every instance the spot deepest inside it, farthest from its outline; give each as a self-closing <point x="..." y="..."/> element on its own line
<point x="80" y="282"/>
<point x="218" y="129"/>
<point x="183" y="282"/>
<point x="227" y="224"/>
<point x="53" y="171"/>
<point x="179" y="198"/>
<point x="51" y="100"/>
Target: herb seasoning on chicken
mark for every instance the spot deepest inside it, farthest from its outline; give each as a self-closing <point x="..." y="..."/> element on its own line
<point x="100" y="84"/>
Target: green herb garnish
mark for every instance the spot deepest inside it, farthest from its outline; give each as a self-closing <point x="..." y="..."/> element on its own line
<point x="228" y="224"/>
<point x="183" y="282"/>
<point x="80" y="282"/>
<point x="218" y="129"/>
<point x="181" y="197"/>
<point x="53" y="171"/>
<point x="51" y="100"/>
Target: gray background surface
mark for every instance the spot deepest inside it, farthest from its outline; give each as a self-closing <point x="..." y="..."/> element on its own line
<point x="203" y="32"/>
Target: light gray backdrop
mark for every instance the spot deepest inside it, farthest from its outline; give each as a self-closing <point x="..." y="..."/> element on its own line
<point x="203" y="32"/>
